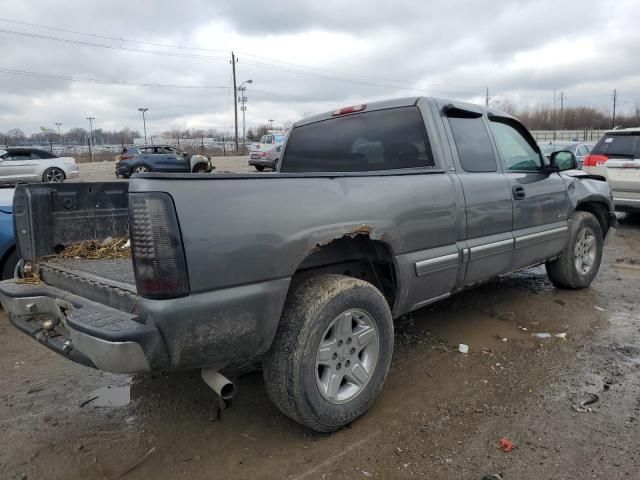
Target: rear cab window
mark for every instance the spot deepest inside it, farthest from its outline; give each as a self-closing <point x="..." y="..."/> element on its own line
<point x="388" y="139"/>
<point x="618" y="145"/>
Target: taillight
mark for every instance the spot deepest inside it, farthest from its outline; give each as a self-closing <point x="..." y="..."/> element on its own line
<point x="351" y="109"/>
<point x="159" y="264"/>
<point x="126" y="157"/>
<point x="264" y="154"/>
<point x="594" y="160"/>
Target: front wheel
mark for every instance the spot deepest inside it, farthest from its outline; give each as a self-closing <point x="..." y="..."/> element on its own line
<point x="259" y="168"/>
<point x="578" y="264"/>
<point x="140" y="169"/>
<point x="331" y="353"/>
<point x="53" y="175"/>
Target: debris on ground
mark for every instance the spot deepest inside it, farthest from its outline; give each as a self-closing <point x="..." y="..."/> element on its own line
<point x="462" y="348"/>
<point x="109" y="248"/>
<point x="506" y="445"/>
<point x="562" y="335"/>
<point x="31" y="279"/>
<point x="600" y="309"/>
<point x="138" y="463"/>
<point x="493" y="476"/>
<point x="541" y="335"/>
<point x="583" y="407"/>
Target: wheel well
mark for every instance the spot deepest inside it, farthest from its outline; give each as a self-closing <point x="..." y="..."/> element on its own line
<point x="598" y="210"/>
<point x="354" y="256"/>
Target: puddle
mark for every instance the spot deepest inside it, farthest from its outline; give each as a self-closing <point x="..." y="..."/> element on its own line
<point x="478" y="330"/>
<point x="110" y="396"/>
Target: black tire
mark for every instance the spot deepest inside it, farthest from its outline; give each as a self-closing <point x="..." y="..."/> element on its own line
<point x="563" y="271"/>
<point x="259" y="168"/>
<point x="200" y="168"/>
<point x="53" y="175"/>
<point x="140" y="168"/>
<point x="290" y="370"/>
<point x="9" y="265"/>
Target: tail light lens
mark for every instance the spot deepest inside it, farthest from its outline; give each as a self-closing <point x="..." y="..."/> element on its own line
<point x="126" y="157"/>
<point x="594" y="160"/>
<point x="264" y="154"/>
<point x="159" y="264"/>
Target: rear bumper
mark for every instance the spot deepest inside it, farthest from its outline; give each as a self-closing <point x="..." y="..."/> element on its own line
<point x="625" y="204"/>
<point x="84" y="331"/>
<point x="262" y="162"/>
<point x="231" y="327"/>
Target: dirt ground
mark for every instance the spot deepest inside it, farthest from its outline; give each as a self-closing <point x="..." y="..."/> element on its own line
<point x="441" y="414"/>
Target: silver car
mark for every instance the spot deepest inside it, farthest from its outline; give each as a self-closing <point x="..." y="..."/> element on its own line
<point x="34" y="165"/>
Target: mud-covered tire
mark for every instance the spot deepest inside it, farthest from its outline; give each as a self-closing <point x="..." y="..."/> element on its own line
<point x="564" y="271"/>
<point x="291" y="372"/>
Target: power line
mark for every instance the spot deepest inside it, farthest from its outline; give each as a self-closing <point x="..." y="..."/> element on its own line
<point x="111" y="47"/>
<point x="94" y="35"/>
<point x="55" y="76"/>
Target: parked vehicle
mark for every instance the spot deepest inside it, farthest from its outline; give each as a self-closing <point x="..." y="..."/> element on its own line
<point x="8" y="253"/>
<point x="35" y="165"/>
<point x="377" y="210"/>
<point x="617" y="158"/>
<point x="159" y="158"/>
<point x="268" y="152"/>
<point x="579" y="149"/>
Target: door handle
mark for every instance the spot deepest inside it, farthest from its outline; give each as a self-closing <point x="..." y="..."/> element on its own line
<point x="518" y="192"/>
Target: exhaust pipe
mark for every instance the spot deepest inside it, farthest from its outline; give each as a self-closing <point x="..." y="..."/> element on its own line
<point x="220" y="384"/>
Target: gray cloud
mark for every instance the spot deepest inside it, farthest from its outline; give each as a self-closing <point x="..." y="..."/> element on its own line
<point x="360" y="50"/>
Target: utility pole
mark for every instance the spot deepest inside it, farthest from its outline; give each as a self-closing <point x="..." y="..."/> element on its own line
<point x="271" y="125"/>
<point x="554" y="115"/>
<point x="486" y="98"/>
<point x="235" y="97"/>
<point x="59" y="136"/>
<point x="144" y="122"/>
<point x="91" y="119"/>
<point x="613" y="118"/>
<point x="243" y="100"/>
<point x="562" y="109"/>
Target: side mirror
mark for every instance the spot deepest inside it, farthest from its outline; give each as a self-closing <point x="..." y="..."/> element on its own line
<point x="563" y="160"/>
<point x="279" y="149"/>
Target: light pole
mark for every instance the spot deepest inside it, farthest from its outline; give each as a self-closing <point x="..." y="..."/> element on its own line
<point x="91" y="119"/>
<point x="59" y="136"/>
<point x="271" y="125"/>
<point x="243" y="101"/>
<point x="144" y="122"/>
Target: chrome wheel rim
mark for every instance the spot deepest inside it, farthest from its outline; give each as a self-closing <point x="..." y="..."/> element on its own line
<point x="584" y="253"/>
<point x="55" y="176"/>
<point x="140" y="169"/>
<point x="347" y="356"/>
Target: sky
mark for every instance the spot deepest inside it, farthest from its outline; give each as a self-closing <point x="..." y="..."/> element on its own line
<point x="65" y="61"/>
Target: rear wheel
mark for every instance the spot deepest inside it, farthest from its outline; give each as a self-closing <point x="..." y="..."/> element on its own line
<point x="140" y="169"/>
<point x="200" y="168"/>
<point x="9" y="265"/>
<point x="578" y="264"/>
<point x="53" y="175"/>
<point x="259" y="168"/>
<point x="332" y="352"/>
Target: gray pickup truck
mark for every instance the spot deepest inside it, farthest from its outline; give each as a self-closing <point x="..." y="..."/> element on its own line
<point x="376" y="210"/>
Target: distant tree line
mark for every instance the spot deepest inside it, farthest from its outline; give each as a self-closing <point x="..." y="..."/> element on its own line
<point x="545" y="117"/>
<point x="75" y="136"/>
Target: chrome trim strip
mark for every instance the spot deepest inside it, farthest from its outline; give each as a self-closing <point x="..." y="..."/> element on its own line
<point x="424" y="303"/>
<point x="490" y="248"/>
<point x="539" y="235"/>
<point x="436" y="264"/>
<point x="621" y="199"/>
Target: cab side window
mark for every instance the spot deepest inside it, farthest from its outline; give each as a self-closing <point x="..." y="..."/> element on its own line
<point x="473" y="144"/>
<point x="516" y="153"/>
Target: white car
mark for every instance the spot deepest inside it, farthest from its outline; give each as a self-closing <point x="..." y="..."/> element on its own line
<point x="35" y="165"/>
<point x="617" y="158"/>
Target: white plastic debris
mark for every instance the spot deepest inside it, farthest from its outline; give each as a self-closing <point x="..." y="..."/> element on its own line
<point x="541" y="335"/>
<point x="600" y="309"/>
<point x="505" y="339"/>
<point x="562" y="335"/>
<point x="462" y="348"/>
<point x="126" y="245"/>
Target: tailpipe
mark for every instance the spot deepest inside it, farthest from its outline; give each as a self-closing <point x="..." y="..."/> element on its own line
<point x="220" y="384"/>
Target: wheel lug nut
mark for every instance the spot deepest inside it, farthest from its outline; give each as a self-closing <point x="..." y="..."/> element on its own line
<point x="338" y="366"/>
<point x="339" y="343"/>
<point x="334" y="356"/>
<point x="347" y="363"/>
<point x="348" y="341"/>
<point x="352" y="351"/>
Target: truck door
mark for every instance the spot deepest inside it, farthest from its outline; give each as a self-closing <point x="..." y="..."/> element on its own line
<point x="488" y="248"/>
<point x="540" y="200"/>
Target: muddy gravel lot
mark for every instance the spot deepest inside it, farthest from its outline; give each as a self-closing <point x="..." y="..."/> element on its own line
<point x="570" y="403"/>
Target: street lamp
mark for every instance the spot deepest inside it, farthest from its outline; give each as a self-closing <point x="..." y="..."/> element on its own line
<point x="271" y="125"/>
<point x="59" y="136"/>
<point x="243" y="100"/>
<point x="91" y="119"/>
<point x="144" y="122"/>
